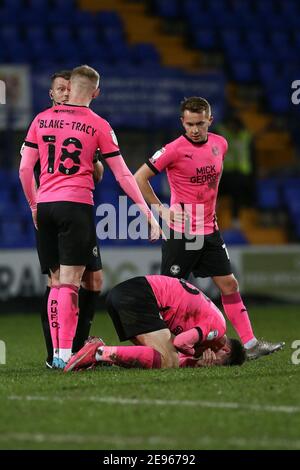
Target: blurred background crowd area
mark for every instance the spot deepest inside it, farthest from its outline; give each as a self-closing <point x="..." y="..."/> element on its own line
<point x="242" y="55"/>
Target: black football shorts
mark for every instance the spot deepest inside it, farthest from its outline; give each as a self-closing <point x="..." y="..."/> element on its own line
<point x="210" y="260"/>
<point x="67" y="235"/>
<point x="133" y="309"/>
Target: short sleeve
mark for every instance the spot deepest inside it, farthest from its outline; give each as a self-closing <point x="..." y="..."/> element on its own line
<point x="31" y="137"/>
<point x="107" y="141"/>
<point x="162" y="159"/>
<point x="225" y="147"/>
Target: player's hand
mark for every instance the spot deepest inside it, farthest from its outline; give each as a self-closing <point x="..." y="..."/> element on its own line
<point x="208" y="359"/>
<point x="171" y="215"/>
<point x="155" y="230"/>
<point x="34" y="217"/>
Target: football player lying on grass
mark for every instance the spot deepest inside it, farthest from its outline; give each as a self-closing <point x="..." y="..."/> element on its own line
<point x="171" y="324"/>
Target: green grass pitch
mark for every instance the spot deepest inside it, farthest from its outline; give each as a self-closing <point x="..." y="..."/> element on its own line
<point x="256" y="406"/>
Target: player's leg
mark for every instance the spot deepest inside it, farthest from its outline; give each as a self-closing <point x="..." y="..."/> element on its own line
<point x="69" y="280"/>
<point x="44" y="308"/>
<point x="150" y="351"/>
<point x="76" y="244"/>
<point x="47" y="247"/>
<point x="90" y="289"/>
<point x="133" y="309"/>
<point x="215" y="263"/>
<point x="237" y="314"/>
<point x="46" y="326"/>
<point x="52" y="309"/>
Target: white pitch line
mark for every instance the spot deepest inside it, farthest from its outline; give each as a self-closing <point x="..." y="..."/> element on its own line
<point x="156" y="402"/>
<point x="197" y="443"/>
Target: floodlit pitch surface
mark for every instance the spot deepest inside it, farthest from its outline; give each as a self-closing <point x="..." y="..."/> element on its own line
<point x="256" y="406"/>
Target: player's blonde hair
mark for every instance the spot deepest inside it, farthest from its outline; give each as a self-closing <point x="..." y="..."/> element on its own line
<point x="85" y="74"/>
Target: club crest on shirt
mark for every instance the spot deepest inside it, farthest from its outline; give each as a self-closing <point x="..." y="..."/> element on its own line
<point x="157" y="155"/>
<point x="95" y="251"/>
<point x="114" y="138"/>
<point x="212" y="335"/>
<point x="175" y="269"/>
<point x="215" y="150"/>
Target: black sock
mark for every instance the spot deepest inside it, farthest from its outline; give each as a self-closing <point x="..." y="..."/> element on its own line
<point x="46" y="326"/>
<point x="87" y="307"/>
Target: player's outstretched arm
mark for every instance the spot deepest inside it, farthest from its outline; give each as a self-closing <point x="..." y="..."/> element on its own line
<point x="98" y="172"/>
<point x="129" y="185"/>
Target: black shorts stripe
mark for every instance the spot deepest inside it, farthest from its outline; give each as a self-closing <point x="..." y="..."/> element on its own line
<point x="111" y="154"/>
<point x="31" y="144"/>
<point x="152" y="167"/>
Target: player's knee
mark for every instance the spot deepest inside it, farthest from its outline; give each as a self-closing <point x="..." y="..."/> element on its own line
<point x="230" y="286"/>
<point x="92" y="281"/>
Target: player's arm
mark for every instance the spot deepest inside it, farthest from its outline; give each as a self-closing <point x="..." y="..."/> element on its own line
<point x="142" y="176"/>
<point x="129" y="185"/>
<point x="207" y="359"/>
<point x="185" y="342"/>
<point x="98" y="172"/>
<point x="29" y="158"/>
<point x="98" y="168"/>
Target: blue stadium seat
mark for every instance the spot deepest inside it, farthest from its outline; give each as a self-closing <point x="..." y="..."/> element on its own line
<point x="108" y="19"/>
<point x="143" y="53"/>
<point x="62" y="35"/>
<point x="242" y="7"/>
<point x="234" y="237"/>
<point x="169" y="9"/>
<point x="267" y="71"/>
<point x="12" y="231"/>
<point x="83" y="19"/>
<point x="64" y="5"/>
<point x="243" y="72"/>
<point x="265" y="7"/>
<point x="231" y="37"/>
<point x="205" y="39"/>
<point x="268" y="196"/>
<point x="36" y="34"/>
<point x="9" y="34"/>
<point x="289" y="8"/>
<point x="279" y="101"/>
<point x="14" y="5"/>
<point x="42" y="5"/>
<point x="88" y="35"/>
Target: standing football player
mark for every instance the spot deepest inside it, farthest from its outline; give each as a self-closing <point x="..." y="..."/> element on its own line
<point x="65" y="138"/>
<point x="92" y="278"/>
<point x="193" y="163"/>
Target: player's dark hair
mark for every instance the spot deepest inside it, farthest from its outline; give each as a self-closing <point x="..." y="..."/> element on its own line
<point x="238" y="353"/>
<point x="66" y="74"/>
<point x="195" y="104"/>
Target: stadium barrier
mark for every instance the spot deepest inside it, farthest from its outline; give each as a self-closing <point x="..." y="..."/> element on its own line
<point x="263" y="272"/>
